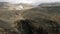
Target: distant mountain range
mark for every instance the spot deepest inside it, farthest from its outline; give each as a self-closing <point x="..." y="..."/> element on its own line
<point x="50" y="4"/>
<point x="21" y="6"/>
<point x="8" y="6"/>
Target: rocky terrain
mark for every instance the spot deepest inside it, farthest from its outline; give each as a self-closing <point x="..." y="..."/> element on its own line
<point x="38" y="20"/>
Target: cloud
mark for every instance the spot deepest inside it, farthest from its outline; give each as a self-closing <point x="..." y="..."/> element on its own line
<point x="29" y="1"/>
<point x="34" y="2"/>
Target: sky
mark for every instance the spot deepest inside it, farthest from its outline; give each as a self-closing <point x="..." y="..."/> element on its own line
<point x="34" y="2"/>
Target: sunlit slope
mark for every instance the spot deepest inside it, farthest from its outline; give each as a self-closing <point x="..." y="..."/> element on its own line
<point x="8" y="6"/>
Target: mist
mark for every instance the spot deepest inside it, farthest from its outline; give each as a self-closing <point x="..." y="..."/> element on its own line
<point x="32" y="2"/>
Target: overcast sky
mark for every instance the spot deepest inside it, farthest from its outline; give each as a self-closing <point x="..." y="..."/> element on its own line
<point x="29" y="1"/>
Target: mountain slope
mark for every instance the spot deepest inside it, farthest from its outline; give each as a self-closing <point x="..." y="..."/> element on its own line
<point x="38" y="20"/>
<point x="8" y="6"/>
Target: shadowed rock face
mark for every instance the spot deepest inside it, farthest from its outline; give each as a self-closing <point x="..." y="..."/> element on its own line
<point x="46" y="27"/>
